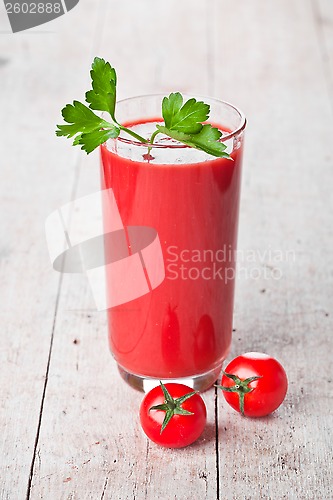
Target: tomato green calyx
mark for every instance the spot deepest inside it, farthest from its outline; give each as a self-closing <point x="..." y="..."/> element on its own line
<point x="172" y="406"/>
<point x="241" y="387"/>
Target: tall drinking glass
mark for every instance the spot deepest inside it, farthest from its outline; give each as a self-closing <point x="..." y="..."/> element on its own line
<point x="189" y="201"/>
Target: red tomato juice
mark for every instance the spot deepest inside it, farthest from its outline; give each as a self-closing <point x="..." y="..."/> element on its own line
<point x="183" y="327"/>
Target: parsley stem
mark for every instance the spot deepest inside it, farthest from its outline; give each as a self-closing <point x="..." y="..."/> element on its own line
<point x="133" y="134"/>
<point x="154" y="134"/>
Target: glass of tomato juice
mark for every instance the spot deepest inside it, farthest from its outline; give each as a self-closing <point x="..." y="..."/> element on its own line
<point x="181" y="329"/>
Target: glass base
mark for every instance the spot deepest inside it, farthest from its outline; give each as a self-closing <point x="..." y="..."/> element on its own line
<point x="198" y="382"/>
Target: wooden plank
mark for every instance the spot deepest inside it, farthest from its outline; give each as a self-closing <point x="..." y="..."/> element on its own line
<point x="267" y="60"/>
<point x="37" y="174"/>
<point x="149" y="43"/>
<point x="323" y="14"/>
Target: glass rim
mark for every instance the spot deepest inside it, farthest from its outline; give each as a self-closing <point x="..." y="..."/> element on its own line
<point x="224" y="138"/>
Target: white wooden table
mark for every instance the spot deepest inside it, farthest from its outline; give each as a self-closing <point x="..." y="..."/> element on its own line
<point x="69" y="425"/>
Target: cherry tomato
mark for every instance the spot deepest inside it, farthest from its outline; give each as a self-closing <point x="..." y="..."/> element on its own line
<point x="173" y="415"/>
<point x="254" y="384"/>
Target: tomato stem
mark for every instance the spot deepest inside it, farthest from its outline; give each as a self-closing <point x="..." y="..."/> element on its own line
<point x="172" y="406"/>
<point x="241" y="387"/>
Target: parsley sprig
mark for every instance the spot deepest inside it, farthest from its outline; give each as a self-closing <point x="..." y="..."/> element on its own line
<point x="183" y="122"/>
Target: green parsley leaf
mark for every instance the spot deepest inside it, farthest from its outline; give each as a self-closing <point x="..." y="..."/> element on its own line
<point x="90" y="141"/>
<point x="183" y="122"/>
<point x="208" y="140"/>
<point x="81" y="118"/>
<point x="90" y="129"/>
<point x="102" y="97"/>
<point x="185" y="118"/>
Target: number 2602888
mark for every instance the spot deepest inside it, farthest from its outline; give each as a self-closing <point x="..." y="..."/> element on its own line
<point x="33" y="8"/>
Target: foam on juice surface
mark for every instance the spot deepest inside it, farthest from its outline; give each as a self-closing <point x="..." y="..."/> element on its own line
<point x="168" y="155"/>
